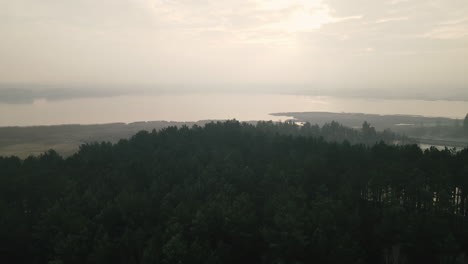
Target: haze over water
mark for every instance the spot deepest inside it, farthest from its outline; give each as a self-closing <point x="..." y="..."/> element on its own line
<point x="203" y="106"/>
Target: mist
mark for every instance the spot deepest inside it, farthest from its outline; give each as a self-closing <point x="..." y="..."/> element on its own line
<point x="386" y="49"/>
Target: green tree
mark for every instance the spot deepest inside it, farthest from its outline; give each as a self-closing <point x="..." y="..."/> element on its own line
<point x="465" y="123"/>
<point x="232" y="192"/>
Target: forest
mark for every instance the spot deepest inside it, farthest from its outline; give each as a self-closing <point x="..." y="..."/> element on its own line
<point x="449" y="131"/>
<point x="232" y="192"/>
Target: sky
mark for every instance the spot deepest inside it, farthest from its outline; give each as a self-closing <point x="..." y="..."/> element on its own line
<point x="414" y="48"/>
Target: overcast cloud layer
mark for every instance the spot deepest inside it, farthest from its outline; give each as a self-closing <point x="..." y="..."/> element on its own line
<point x="380" y="46"/>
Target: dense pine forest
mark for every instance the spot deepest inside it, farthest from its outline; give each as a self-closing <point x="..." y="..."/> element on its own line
<point x="233" y="192"/>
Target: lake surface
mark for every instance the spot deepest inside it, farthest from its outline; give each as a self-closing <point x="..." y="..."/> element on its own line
<point x="194" y="107"/>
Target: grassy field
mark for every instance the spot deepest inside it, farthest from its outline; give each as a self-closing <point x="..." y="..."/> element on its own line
<point x="66" y="139"/>
<point x="26" y="149"/>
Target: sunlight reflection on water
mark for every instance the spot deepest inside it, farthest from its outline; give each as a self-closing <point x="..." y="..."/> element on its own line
<point x="193" y="107"/>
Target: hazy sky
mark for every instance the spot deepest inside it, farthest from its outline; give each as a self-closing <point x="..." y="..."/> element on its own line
<point x="292" y="45"/>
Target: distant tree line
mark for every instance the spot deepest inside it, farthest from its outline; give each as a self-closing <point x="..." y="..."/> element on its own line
<point x="459" y="129"/>
<point x="232" y="192"/>
<point x="465" y="124"/>
<point x="335" y="132"/>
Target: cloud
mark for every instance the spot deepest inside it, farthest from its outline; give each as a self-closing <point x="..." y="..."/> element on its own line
<point x="331" y="43"/>
<point x="244" y="20"/>
<point x="391" y="19"/>
<point x="395" y="2"/>
<point x="451" y="29"/>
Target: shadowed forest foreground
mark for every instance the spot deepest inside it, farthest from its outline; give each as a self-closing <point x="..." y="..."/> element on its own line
<point x="236" y="193"/>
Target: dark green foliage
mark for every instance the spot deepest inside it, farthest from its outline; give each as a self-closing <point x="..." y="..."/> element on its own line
<point x="237" y="193"/>
<point x="465" y="123"/>
<point x="456" y="133"/>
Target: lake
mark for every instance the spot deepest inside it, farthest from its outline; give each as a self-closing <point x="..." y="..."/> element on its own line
<point x="193" y="107"/>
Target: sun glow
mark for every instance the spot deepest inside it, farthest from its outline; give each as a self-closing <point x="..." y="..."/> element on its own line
<point x="296" y="16"/>
<point x="270" y="21"/>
